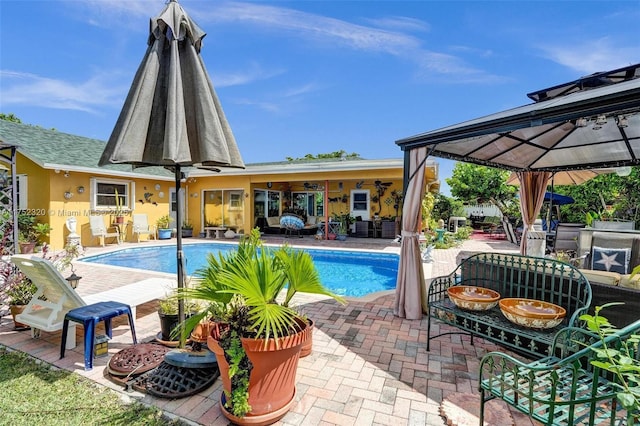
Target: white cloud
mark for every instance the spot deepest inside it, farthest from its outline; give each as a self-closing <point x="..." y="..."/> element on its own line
<point x="30" y="89"/>
<point x="590" y="56"/>
<point x="254" y="72"/>
<point x="320" y="29"/>
<point x="400" y="23"/>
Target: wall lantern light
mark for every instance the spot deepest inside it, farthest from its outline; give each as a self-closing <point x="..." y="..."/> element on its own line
<point x="73" y="280"/>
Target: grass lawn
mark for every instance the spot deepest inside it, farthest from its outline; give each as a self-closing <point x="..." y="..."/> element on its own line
<point x="34" y="393"/>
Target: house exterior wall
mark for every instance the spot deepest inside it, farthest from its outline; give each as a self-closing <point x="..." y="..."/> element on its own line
<point x="46" y="193"/>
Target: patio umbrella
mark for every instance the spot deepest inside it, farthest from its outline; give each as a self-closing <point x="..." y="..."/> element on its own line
<point x="558" y="199"/>
<point x="172" y="116"/>
<point x="567" y="177"/>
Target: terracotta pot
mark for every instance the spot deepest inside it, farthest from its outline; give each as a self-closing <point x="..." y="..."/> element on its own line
<point x="307" y="346"/>
<point x="272" y="380"/>
<point x="26" y="248"/>
<point x="120" y="219"/>
<point x="15" y="310"/>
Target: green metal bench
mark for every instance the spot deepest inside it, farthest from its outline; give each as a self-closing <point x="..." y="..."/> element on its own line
<point x="560" y="390"/>
<point x="512" y="276"/>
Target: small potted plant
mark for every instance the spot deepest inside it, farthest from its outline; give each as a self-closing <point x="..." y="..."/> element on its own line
<point x="187" y="229"/>
<point x="168" y="314"/>
<point x="119" y="211"/>
<point x="256" y="336"/>
<point x="18" y="290"/>
<point x="30" y="232"/>
<point x="163" y="222"/>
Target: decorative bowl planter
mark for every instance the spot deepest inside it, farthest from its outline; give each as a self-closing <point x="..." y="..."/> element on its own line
<point x="532" y="313"/>
<point x="473" y="298"/>
<point x="164" y="234"/>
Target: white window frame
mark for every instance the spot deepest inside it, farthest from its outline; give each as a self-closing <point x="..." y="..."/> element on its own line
<point x="130" y="193"/>
<point x="366" y="212"/>
<point x="235" y="200"/>
<point x="23" y="191"/>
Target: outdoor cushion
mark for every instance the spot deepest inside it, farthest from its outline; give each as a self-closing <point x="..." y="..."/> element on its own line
<point x="602" y="277"/>
<point x="273" y="221"/>
<point x="611" y="260"/>
<point x="628" y="282"/>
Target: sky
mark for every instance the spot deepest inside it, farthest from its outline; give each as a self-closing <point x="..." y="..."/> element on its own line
<point x="310" y="77"/>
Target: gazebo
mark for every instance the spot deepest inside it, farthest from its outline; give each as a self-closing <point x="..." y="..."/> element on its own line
<point x="590" y="123"/>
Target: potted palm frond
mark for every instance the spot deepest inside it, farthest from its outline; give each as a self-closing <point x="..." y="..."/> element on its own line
<point x="259" y="344"/>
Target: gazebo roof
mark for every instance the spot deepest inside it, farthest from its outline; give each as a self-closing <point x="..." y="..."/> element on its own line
<point x="593" y="122"/>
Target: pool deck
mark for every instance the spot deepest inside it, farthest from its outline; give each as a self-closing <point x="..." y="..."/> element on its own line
<point x="367" y="366"/>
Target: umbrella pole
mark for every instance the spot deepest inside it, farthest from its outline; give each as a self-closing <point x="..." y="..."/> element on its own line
<point x="179" y="254"/>
<point x="549" y="215"/>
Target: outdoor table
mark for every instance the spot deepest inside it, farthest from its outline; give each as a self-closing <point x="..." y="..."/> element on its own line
<point x="89" y="316"/>
<point x="219" y="230"/>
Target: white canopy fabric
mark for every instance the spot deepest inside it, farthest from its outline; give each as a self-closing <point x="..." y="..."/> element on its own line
<point x="411" y="292"/>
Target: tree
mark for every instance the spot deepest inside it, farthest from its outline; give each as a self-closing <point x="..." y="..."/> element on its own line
<point x="10" y="117"/>
<point x="445" y="207"/>
<point x="480" y="184"/>
<point x="620" y="192"/>
<point x="336" y="154"/>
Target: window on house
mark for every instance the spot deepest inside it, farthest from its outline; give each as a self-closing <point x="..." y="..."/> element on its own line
<point x="360" y="201"/>
<point x="235" y="200"/>
<point x="273" y="204"/>
<point x="22" y="192"/>
<point x="103" y="193"/>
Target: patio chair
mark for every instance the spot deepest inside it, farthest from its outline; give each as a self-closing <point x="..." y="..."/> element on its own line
<point x="512" y="236"/>
<point x="566" y="238"/>
<point x="141" y="227"/>
<point x="291" y="223"/>
<point x="99" y="230"/>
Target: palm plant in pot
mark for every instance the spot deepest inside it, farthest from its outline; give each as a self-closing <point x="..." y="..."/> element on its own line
<point x="258" y="346"/>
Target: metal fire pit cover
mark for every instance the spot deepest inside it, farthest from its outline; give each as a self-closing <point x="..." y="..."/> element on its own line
<point x="137" y="359"/>
<point x="190" y="358"/>
<point x="169" y="381"/>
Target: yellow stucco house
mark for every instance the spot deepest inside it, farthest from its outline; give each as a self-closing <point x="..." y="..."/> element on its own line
<point x="58" y="177"/>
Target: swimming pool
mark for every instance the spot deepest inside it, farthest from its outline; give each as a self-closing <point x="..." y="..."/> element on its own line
<point x="348" y="273"/>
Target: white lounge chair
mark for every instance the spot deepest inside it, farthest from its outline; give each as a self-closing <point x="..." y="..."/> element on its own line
<point x="141" y="226"/>
<point x="99" y="230"/>
<point x="48" y="315"/>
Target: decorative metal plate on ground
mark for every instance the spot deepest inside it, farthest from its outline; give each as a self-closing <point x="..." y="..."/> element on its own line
<point x="137" y="359"/>
<point x="169" y="381"/>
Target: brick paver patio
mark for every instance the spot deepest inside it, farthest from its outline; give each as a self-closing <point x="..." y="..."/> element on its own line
<point x="368" y="367"/>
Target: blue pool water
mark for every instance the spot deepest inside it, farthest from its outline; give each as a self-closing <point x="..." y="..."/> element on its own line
<point x="347" y="273"/>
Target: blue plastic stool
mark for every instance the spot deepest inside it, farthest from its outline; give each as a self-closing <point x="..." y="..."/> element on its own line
<point x="89" y="316"/>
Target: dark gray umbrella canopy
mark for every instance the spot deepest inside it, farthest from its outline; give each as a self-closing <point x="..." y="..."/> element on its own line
<point x="172" y="116"/>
